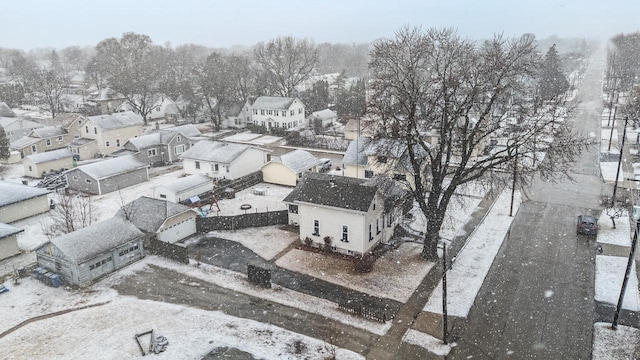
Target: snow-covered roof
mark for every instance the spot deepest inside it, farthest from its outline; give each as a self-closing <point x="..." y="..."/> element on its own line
<point x="335" y="191"/>
<point x="86" y="243"/>
<point x="149" y="140"/>
<point x="273" y="103"/>
<point x="186" y="183"/>
<point x="355" y="154"/>
<point x="23" y="142"/>
<point x="298" y="160"/>
<point x="106" y="168"/>
<point x="81" y="141"/>
<point x="10" y="124"/>
<point x="8" y="230"/>
<point x="48" y="131"/>
<point x="171" y="109"/>
<point x="49" y="156"/>
<point x="116" y="120"/>
<point x="11" y="193"/>
<point x="5" y="110"/>
<point x="148" y="214"/>
<point x="215" y="151"/>
<point x="324" y="114"/>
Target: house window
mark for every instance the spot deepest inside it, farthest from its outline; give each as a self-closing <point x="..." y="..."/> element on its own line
<point x="368" y="174"/>
<point x="400" y="177"/>
<point x="95" y="130"/>
<point x="284" y="113"/>
<point x="151" y="152"/>
<point x="389" y="218"/>
<point x="117" y="142"/>
<point x="255" y="111"/>
<point x="268" y="157"/>
<point x="106" y="143"/>
<point x="270" y="112"/>
<point x="334" y="248"/>
<point x="197" y="164"/>
<point x="163" y="196"/>
<point x="178" y="138"/>
<point x="377" y="226"/>
<point x="370" y="233"/>
<point x="30" y="169"/>
<point x="292" y="113"/>
<point x="345" y="233"/>
<point x="261" y="112"/>
<point x="34" y="148"/>
<point x="214" y="167"/>
<point x="227" y="168"/>
<point x="276" y="112"/>
<point x="59" y="138"/>
<point x="48" y="142"/>
<point x="88" y="181"/>
<point x="178" y="149"/>
<point x="86" y="129"/>
<point x="316" y="228"/>
<point x="382" y="159"/>
<point x="300" y="111"/>
<point x="293" y="209"/>
<point x="374" y="204"/>
<point x="75" y="178"/>
<point x="350" y="252"/>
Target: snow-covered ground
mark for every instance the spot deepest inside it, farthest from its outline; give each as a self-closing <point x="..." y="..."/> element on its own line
<point x="620" y="344"/>
<point x="472" y="264"/>
<point x="608" y="170"/>
<point x="434" y="345"/>
<point x="609" y="275"/>
<point x="270" y="201"/>
<point x="618" y="236"/>
<point x="395" y="275"/>
<point x="267" y="241"/>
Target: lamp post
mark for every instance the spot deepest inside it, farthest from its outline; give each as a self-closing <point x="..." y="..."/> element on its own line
<point x="615" y="184"/>
<point x="632" y="252"/>
<point x="442" y="245"/>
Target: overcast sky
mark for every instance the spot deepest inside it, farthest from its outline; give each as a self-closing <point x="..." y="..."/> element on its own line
<point x="29" y="24"/>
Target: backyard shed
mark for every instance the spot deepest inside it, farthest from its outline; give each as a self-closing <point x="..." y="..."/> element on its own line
<point x="171" y="222"/>
<point x="185" y="188"/>
<point x="108" y="175"/>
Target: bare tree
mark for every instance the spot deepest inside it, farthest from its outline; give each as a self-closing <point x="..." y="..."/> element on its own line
<point x="287" y="62"/>
<point x="445" y="99"/>
<point x="71" y="213"/>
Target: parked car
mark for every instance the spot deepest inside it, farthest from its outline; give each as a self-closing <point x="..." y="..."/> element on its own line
<point x="587" y="225"/>
<point x="324" y="164"/>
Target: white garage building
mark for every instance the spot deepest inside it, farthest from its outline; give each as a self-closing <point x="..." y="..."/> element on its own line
<point x="185" y="188"/>
<point x="170" y="222"/>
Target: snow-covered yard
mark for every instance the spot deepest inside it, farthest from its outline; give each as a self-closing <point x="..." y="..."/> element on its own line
<point x="271" y="200"/>
<point x="620" y="344"/>
<point x="267" y="241"/>
<point x="609" y="275"/>
<point x="618" y="236"/>
<point x="395" y="275"/>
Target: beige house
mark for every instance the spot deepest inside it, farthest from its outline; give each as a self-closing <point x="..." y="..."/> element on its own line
<point x="9" y="241"/>
<point x="351" y="216"/>
<point x="50" y="138"/>
<point x="288" y="168"/>
<point x="278" y="112"/>
<point x="37" y="164"/>
<point x="19" y="201"/>
<point x="110" y="132"/>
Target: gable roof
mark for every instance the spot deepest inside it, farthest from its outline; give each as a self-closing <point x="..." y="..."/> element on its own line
<point x="6" y="111"/>
<point x="47" y="131"/>
<point x="23" y="142"/>
<point x="11" y="193"/>
<point x="10" y="124"/>
<point x="273" y="103"/>
<point x="356" y="153"/>
<point x="188" y="130"/>
<point x="116" y="120"/>
<point x="106" y="168"/>
<point x="187" y="183"/>
<point x="334" y="191"/>
<point x="148" y="214"/>
<point x="149" y="140"/>
<point x="215" y="151"/>
<point x="86" y="243"/>
<point x="324" y="114"/>
<point x="298" y="160"/>
<point x="8" y="230"/>
<point x="49" y="156"/>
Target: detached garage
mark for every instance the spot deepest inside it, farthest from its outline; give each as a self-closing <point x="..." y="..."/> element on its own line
<point x="9" y="241"/>
<point x="169" y="221"/>
<point x="19" y="201"/>
<point x="108" y="175"/>
<point x="37" y="164"/>
<point x="185" y="188"/>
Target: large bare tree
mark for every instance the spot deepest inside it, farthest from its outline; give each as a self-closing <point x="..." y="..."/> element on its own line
<point x="448" y="100"/>
<point x="287" y="62"/>
<point x="71" y="213"/>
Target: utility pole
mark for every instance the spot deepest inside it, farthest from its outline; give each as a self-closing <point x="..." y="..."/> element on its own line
<point x="515" y="176"/>
<point x="444" y="293"/>
<point x="632" y="252"/>
<point x="615" y="184"/>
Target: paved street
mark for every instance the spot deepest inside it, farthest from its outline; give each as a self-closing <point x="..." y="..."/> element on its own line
<point x="537" y="300"/>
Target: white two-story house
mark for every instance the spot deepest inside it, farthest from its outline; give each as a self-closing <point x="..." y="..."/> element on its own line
<point x="349" y="215"/>
<point x="278" y="112"/>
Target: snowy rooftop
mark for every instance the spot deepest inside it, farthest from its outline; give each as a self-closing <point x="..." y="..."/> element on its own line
<point x="110" y="167"/>
<point x="355" y="154"/>
<point x="8" y="230"/>
<point x="6" y="111"/>
<point x="88" y="242"/>
<point x="188" y="130"/>
<point x="273" y="102"/>
<point x="11" y="193"/>
<point x="49" y="156"/>
<point x="146" y="141"/>
<point x="116" y="120"/>
<point x="298" y="160"/>
<point x="24" y="142"/>
<point x="148" y="214"/>
<point x="186" y="183"/>
<point x="324" y="114"/>
<point x="48" y="131"/>
<point x="253" y="139"/>
<point x="9" y="123"/>
<point x="215" y="151"/>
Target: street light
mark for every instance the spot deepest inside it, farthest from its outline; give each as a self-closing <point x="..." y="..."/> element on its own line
<point x="636" y="217"/>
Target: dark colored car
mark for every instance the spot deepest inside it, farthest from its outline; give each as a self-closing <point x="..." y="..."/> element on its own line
<point x="587" y="225"/>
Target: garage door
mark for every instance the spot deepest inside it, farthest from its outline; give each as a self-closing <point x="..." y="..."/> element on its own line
<point x="178" y="231"/>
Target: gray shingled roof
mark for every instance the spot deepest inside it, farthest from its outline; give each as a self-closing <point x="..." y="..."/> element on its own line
<point x="273" y="103"/>
<point x="106" y="168"/>
<point x="215" y="151"/>
<point x="84" y="244"/>
<point x="11" y="193"/>
<point x="49" y="156"/>
<point x="116" y="120"/>
<point x="8" y="230"/>
<point x="334" y="191"/>
<point x="187" y="183"/>
<point x="298" y="160"/>
<point x="148" y="214"/>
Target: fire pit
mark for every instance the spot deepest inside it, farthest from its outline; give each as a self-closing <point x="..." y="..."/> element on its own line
<point x="245" y="206"/>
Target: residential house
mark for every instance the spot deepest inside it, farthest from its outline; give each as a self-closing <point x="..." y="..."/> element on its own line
<point x="107" y="99"/>
<point x="109" y="132"/>
<point x="18" y="127"/>
<point x="322" y="119"/>
<point x="107" y="175"/>
<point x="165" y="109"/>
<point x="289" y="168"/>
<point x="169" y="221"/>
<point x="278" y="112"/>
<point x="349" y="215"/>
<point x="158" y="148"/>
<point x="5" y="110"/>
<point x="356" y="128"/>
<point x="87" y="254"/>
<point x="237" y="116"/>
<point x="9" y="241"/>
<point x="18" y="201"/>
<point x="37" y="164"/>
<point x="51" y="137"/>
<point x="184" y="188"/>
<point x="223" y="160"/>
